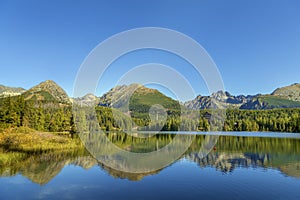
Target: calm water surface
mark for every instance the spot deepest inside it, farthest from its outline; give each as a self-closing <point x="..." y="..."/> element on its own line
<point x="238" y="167"/>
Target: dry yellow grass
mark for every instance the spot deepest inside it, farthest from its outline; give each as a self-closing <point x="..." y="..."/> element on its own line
<point x="30" y="140"/>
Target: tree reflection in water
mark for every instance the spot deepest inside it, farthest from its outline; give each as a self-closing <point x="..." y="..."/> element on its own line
<point x="229" y="153"/>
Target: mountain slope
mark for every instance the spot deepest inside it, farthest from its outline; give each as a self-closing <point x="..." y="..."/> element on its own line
<point x="6" y="91"/>
<point x="86" y="100"/>
<point x="137" y="97"/>
<point x="140" y="99"/>
<point x="217" y="100"/>
<point x="143" y="98"/>
<point x="269" y="102"/>
<point x="144" y="105"/>
<point x="285" y="97"/>
<point x="118" y="96"/>
<point x="47" y="91"/>
<point x="291" y="92"/>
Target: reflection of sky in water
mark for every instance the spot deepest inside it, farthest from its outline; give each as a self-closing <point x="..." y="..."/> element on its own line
<point x="239" y="167"/>
<point x="182" y="180"/>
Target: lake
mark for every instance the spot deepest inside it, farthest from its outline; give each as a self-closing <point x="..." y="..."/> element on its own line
<point x="235" y="165"/>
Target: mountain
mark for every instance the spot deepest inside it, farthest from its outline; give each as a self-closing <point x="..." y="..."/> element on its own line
<point x="137" y="97"/>
<point x="118" y="96"/>
<point x="87" y="100"/>
<point x="140" y="99"/>
<point x="10" y="91"/>
<point x="269" y="102"/>
<point x="291" y="92"/>
<point x="143" y="98"/>
<point x="47" y="91"/>
<point x="219" y="99"/>
<point x="285" y="97"/>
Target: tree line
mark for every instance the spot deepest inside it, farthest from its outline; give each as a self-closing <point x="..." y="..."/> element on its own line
<point x="53" y="117"/>
<point x="38" y="115"/>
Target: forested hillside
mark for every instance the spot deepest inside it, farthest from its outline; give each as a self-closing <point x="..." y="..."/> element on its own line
<point x="16" y="112"/>
<point x="46" y="107"/>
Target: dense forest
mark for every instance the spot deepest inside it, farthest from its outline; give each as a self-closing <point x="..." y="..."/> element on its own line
<point x="52" y="117"/>
<point x="277" y="120"/>
<point x="38" y="115"/>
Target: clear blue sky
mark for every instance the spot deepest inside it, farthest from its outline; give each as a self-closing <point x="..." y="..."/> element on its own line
<point x="255" y="44"/>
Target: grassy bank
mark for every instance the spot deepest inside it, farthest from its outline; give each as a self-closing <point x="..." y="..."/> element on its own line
<point x="25" y="139"/>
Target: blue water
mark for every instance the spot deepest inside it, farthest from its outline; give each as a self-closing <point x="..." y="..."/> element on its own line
<point x="239" y="167"/>
<point x="182" y="180"/>
<point x="237" y="133"/>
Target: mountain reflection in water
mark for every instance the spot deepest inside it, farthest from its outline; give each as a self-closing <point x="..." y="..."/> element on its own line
<point x="230" y="152"/>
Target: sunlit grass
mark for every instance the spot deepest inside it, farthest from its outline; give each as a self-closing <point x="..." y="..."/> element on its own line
<point x="25" y="139"/>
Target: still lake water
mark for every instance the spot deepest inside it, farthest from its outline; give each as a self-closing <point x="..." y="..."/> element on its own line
<point x="239" y="166"/>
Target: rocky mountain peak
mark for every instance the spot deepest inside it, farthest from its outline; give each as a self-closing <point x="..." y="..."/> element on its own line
<point x="120" y="95"/>
<point x="47" y="90"/>
<point x="86" y="100"/>
<point x="291" y="92"/>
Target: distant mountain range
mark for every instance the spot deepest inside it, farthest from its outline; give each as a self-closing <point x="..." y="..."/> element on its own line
<point x="117" y="97"/>
<point x="219" y="99"/>
<point x="285" y="97"/>
<point x="10" y="91"/>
